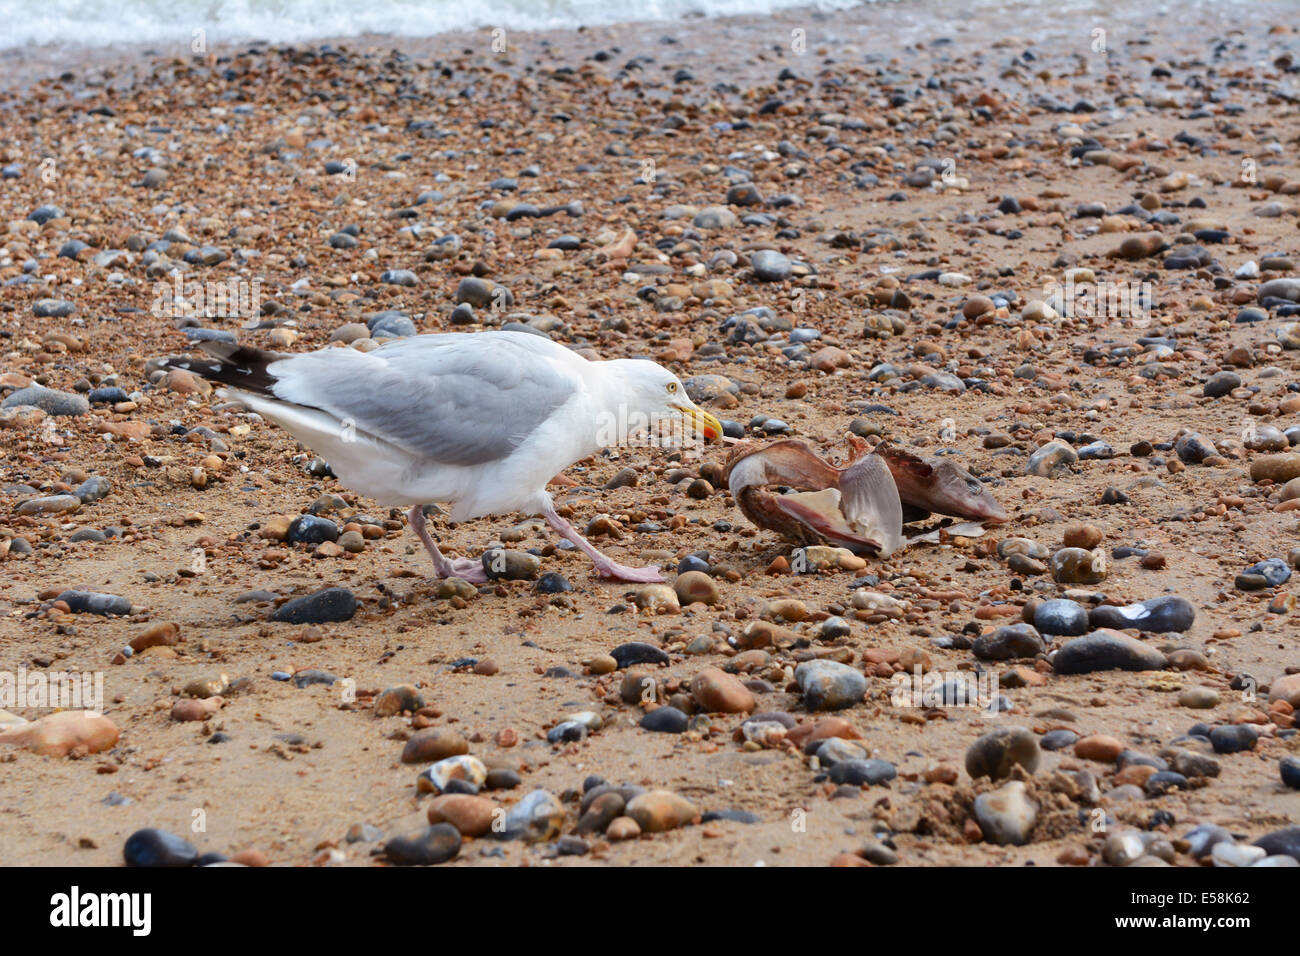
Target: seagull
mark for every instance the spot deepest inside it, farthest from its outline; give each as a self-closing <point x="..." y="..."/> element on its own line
<point x="480" y="421"/>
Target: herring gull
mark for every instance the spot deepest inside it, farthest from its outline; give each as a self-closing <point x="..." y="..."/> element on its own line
<point x="480" y="421"/>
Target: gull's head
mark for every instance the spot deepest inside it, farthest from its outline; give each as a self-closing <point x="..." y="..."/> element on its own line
<point x="649" y="394"/>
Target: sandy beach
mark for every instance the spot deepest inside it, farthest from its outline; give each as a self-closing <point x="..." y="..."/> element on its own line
<point x="1056" y="248"/>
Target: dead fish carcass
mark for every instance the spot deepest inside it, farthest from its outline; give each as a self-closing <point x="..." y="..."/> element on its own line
<point x="860" y="506"/>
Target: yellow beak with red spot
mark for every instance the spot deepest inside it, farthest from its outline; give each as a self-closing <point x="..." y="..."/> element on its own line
<point x="701" y="421"/>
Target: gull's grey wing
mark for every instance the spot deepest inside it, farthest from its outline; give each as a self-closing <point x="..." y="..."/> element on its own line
<point x="869" y="499"/>
<point x="453" y="399"/>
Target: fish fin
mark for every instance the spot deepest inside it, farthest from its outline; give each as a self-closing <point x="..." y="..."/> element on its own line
<point x="870" y="502"/>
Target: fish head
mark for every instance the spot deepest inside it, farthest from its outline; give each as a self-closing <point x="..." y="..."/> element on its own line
<point x="944" y="488"/>
<point x="957" y="492"/>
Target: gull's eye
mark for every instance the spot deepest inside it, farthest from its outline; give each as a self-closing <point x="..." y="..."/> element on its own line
<point x="672" y="387"/>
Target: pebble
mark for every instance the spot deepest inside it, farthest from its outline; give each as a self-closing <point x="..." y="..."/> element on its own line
<point x="433" y="845"/>
<point x="1077" y="566"/>
<point x="53" y="309"/>
<point x="59" y="404"/>
<point x="309" y="529"/>
<point x="1009" y="642"/>
<point x="1220" y="384"/>
<point x="64" y="733"/>
<point x="1198" y="698"/>
<point x="994" y="754"/>
<point x="322" y="607"/>
<point x="1051" y="460"/>
<point x="1235" y="854"/>
<point x="1289" y="768"/>
<point x="696" y="587"/>
<point x="829" y="685"/>
<point x="502" y="564"/>
<point x="1274" y="571"/>
<point x="718" y="692"/>
<point x="93" y="602"/>
<point x="858" y="773"/>
<point x="1278" y="469"/>
<point x="536" y="818"/>
<point x="770" y="266"/>
<point x="462" y="768"/>
<point x="1006" y="816"/>
<point x="1194" y="448"/>
<point x="1285" y="842"/>
<point x="660" y="810"/>
<point x="1061" y="617"/>
<point x="153" y="847"/>
<point x="637" y="652"/>
<point x="666" y="720"/>
<point x="395" y="700"/>
<point x="1233" y="738"/>
<point x="53" y="504"/>
<point x="1156" y="615"/>
<point x="1105" y="650"/>
<point x="433" y="744"/>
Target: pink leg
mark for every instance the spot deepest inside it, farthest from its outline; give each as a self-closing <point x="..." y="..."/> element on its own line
<point x="605" y="567"/>
<point x="445" y="567"/>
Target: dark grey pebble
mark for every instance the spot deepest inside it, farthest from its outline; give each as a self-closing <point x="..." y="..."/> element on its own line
<point x="1289" y="767"/>
<point x="92" y="489"/>
<point x="93" y="602"/>
<point x="1194" y="449"/>
<point x="729" y="816"/>
<point x="1233" y="738"/>
<point x="1058" y="739"/>
<point x="312" y="676"/>
<point x="770" y="266"/>
<point x="310" y="529"/>
<point x="567" y="732"/>
<point x="1221" y="383"/>
<point x="107" y="396"/>
<point x="859" y="772"/>
<point x="665" y="720"/>
<point x="1156" y="615"/>
<point x="1106" y="651"/>
<point x="48" y="401"/>
<point x="432" y="845"/>
<point x="501" y="778"/>
<point x="331" y="604"/>
<point x="552" y="582"/>
<point x="1281" y="842"/>
<point x="1008" y="642"/>
<point x="53" y="309"/>
<point x="1164" y="781"/>
<point x="1274" y="571"/>
<point x="638" y="652"/>
<point x="152" y="847"/>
<point x="43" y="214"/>
<point x="1059" y="616"/>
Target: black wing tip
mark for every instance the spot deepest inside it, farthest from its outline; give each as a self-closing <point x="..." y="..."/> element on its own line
<point x="239" y="366"/>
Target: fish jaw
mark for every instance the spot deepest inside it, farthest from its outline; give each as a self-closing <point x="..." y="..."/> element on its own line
<point x="762" y="508"/>
<point x="820" y="512"/>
